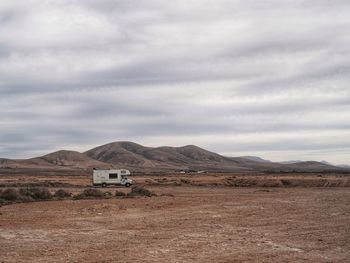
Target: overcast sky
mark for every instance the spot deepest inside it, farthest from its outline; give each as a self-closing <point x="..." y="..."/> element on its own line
<point x="253" y="77"/>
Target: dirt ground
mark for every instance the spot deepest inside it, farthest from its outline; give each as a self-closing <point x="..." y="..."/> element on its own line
<point x="221" y="180"/>
<point x="189" y="223"/>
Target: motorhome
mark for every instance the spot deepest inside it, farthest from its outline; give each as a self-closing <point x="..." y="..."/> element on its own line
<point x="111" y="177"/>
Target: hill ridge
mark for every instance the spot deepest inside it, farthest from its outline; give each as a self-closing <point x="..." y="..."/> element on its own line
<point x="137" y="157"/>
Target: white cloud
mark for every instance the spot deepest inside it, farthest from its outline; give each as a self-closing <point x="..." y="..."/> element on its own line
<point x="256" y="77"/>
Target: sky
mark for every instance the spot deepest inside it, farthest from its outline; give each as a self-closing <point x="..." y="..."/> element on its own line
<point x="264" y="78"/>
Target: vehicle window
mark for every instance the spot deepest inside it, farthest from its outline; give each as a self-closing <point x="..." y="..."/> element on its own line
<point x="113" y="176"/>
<point x="123" y="171"/>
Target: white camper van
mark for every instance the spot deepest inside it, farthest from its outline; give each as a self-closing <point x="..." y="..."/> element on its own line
<point x="114" y="177"/>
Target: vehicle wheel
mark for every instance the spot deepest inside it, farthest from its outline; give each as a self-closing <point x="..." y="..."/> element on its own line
<point x="104" y="185"/>
<point x="127" y="185"/>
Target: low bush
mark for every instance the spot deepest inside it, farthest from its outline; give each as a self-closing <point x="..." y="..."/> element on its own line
<point x="42" y="193"/>
<point x="36" y="193"/>
<point x="26" y="198"/>
<point x="107" y="194"/>
<point x="62" y="194"/>
<point x="93" y="192"/>
<point x="25" y="192"/>
<point x="10" y="194"/>
<point x="2" y="201"/>
<point x="140" y="191"/>
<point x="28" y="194"/>
<point x="118" y="193"/>
<point x="88" y="193"/>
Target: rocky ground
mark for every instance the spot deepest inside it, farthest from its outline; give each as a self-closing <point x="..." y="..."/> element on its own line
<point x="184" y="223"/>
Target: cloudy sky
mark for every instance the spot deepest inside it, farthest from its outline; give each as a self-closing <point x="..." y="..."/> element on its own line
<point x="253" y="77"/>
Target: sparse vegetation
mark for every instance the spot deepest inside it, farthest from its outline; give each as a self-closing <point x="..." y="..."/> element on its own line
<point x="37" y="193"/>
<point x="62" y="193"/>
<point x="89" y="193"/>
<point x="10" y="194"/>
<point x="32" y="194"/>
<point x="107" y="194"/>
<point x="119" y="193"/>
<point x="93" y="192"/>
<point x="140" y="191"/>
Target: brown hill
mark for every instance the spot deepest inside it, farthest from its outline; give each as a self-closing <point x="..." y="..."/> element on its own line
<point x="190" y="157"/>
<point x="312" y="166"/>
<point x="307" y="166"/>
<point x="7" y="163"/>
<point x="71" y="159"/>
<point x="174" y="158"/>
<point x="57" y="160"/>
<point x="154" y="159"/>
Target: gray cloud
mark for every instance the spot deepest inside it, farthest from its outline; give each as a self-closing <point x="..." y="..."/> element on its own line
<point x="253" y="77"/>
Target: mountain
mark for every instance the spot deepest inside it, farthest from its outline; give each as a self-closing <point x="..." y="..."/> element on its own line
<point x="59" y="159"/>
<point x="344" y="166"/>
<point x="291" y="162"/>
<point x="190" y="157"/>
<point x="311" y="166"/>
<point x="7" y="163"/>
<point x="140" y="158"/>
<point x="71" y="159"/>
<point x="255" y="158"/>
<point x="171" y="158"/>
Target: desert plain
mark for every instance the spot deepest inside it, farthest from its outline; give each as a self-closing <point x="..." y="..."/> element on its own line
<point x="193" y="218"/>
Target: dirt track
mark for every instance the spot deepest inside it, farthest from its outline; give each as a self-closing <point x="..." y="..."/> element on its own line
<point x="198" y="224"/>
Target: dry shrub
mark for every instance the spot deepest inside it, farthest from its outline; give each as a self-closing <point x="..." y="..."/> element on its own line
<point x="36" y="193"/>
<point x="286" y="182"/>
<point x="93" y="192"/>
<point x="185" y="181"/>
<point x="10" y="194"/>
<point x="118" y="193"/>
<point x="88" y="193"/>
<point x="26" y="192"/>
<point x="62" y="193"/>
<point x="170" y="195"/>
<point x="26" y="198"/>
<point x="140" y="191"/>
<point x="107" y="194"/>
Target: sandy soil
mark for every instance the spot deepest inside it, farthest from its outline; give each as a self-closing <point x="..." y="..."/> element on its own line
<point x="197" y="224"/>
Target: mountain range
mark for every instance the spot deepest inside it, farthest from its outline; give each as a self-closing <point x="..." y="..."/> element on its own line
<point x="140" y="158"/>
